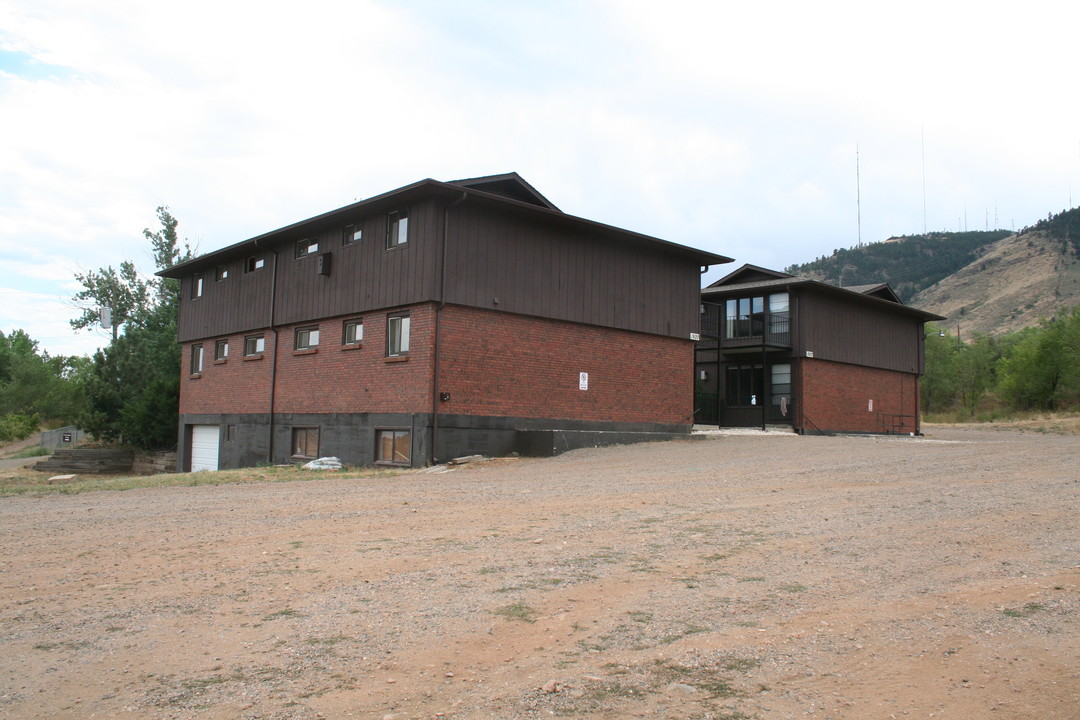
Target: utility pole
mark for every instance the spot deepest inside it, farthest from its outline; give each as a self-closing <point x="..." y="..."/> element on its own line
<point x="858" y="198"/>
<point x="923" y="148"/>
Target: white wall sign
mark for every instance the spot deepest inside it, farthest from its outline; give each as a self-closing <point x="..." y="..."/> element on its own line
<point x="583" y="381"/>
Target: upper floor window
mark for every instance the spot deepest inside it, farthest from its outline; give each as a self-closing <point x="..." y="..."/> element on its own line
<point x="397" y="335"/>
<point x="352" y="332"/>
<point x="221" y="350"/>
<point x="221" y="273"/>
<point x="254" y="345"/>
<point x="196" y="359"/>
<point x="196" y="285"/>
<point x="746" y="317"/>
<point x="352" y="234"/>
<point x="397" y="229"/>
<point x="253" y="263"/>
<point x="306" y="247"/>
<point x="307" y="338"/>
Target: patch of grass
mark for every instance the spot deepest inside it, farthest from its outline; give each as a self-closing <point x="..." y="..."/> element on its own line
<point x="753" y="578"/>
<point x="715" y="556"/>
<point x="488" y="570"/>
<point x="198" y="683"/>
<point x="328" y="640"/>
<point x="739" y="664"/>
<point x="286" y="613"/>
<point x="23" y="481"/>
<point x="33" y="451"/>
<point x="793" y="588"/>
<point x="1024" y="612"/>
<point x="685" y="632"/>
<point x="516" y="611"/>
<point x="640" y="616"/>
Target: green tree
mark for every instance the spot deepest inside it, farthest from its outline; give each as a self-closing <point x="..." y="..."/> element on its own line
<point x="35" y="384"/>
<point x="132" y="387"/>
<point x="939" y="386"/>
<point x="974" y="370"/>
<point x="1043" y="369"/>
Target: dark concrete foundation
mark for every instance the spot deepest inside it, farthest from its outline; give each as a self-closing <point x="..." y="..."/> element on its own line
<point x="250" y="440"/>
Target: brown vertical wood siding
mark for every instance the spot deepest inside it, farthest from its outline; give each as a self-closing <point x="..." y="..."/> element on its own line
<point x="840" y="330"/>
<point x="506" y="261"/>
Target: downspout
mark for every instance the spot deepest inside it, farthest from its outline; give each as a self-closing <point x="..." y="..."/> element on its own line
<point x="273" y="362"/>
<point x="435" y="390"/>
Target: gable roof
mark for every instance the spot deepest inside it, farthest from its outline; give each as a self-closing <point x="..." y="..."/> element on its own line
<point x="879" y="290"/>
<point x="751" y="278"/>
<point x="508" y="190"/>
<point x="749" y="274"/>
<point x="509" y="185"/>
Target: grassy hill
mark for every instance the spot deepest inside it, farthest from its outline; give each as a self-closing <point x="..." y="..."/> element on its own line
<point x="990" y="282"/>
<point x="909" y="263"/>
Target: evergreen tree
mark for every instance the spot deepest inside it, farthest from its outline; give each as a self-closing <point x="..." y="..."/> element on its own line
<point x="132" y="388"/>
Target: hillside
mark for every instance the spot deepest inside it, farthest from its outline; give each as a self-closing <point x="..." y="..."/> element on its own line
<point x="990" y="282"/>
<point x="908" y="263"/>
<point x="1017" y="281"/>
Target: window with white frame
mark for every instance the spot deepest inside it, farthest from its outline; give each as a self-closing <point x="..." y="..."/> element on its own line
<point x="196" y="359"/>
<point x="397" y="335"/>
<point x="307" y="338"/>
<point x="221" y="350"/>
<point x="397" y="229"/>
<point x="352" y="332"/>
<point x="352" y="234"/>
<point x="306" y="247"/>
<point x="254" y="345"/>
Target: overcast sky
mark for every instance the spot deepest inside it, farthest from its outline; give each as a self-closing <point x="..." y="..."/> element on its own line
<point x="731" y="127"/>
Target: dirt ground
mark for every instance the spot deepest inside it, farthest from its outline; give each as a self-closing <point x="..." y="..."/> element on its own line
<point x="735" y="577"/>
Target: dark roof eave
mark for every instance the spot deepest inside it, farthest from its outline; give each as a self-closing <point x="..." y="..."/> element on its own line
<point x="722" y="292"/>
<point x="259" y="242"/>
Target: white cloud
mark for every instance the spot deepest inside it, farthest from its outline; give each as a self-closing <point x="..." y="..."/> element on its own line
<point x="727" y="126"/>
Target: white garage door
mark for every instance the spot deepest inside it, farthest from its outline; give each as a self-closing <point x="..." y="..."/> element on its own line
<point x="204" y="447"/>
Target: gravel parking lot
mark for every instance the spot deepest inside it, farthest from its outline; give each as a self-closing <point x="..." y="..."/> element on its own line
<point x="734" y="577"/>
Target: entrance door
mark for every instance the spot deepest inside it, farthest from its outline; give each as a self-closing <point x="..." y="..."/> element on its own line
<point x="205" y="441"/>
<point x="780" y="393"/>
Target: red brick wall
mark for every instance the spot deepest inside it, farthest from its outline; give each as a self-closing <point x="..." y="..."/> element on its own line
<point x="330" y="379"/>
<point x="496" y="363"/>
<point x="837" y="396"/>
<point x="493" y="364"/>
<point x="235" y="386"/>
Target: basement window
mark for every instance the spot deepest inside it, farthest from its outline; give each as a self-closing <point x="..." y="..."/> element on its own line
<point x="305" y="442"/>
<point x="393" y="447"/>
